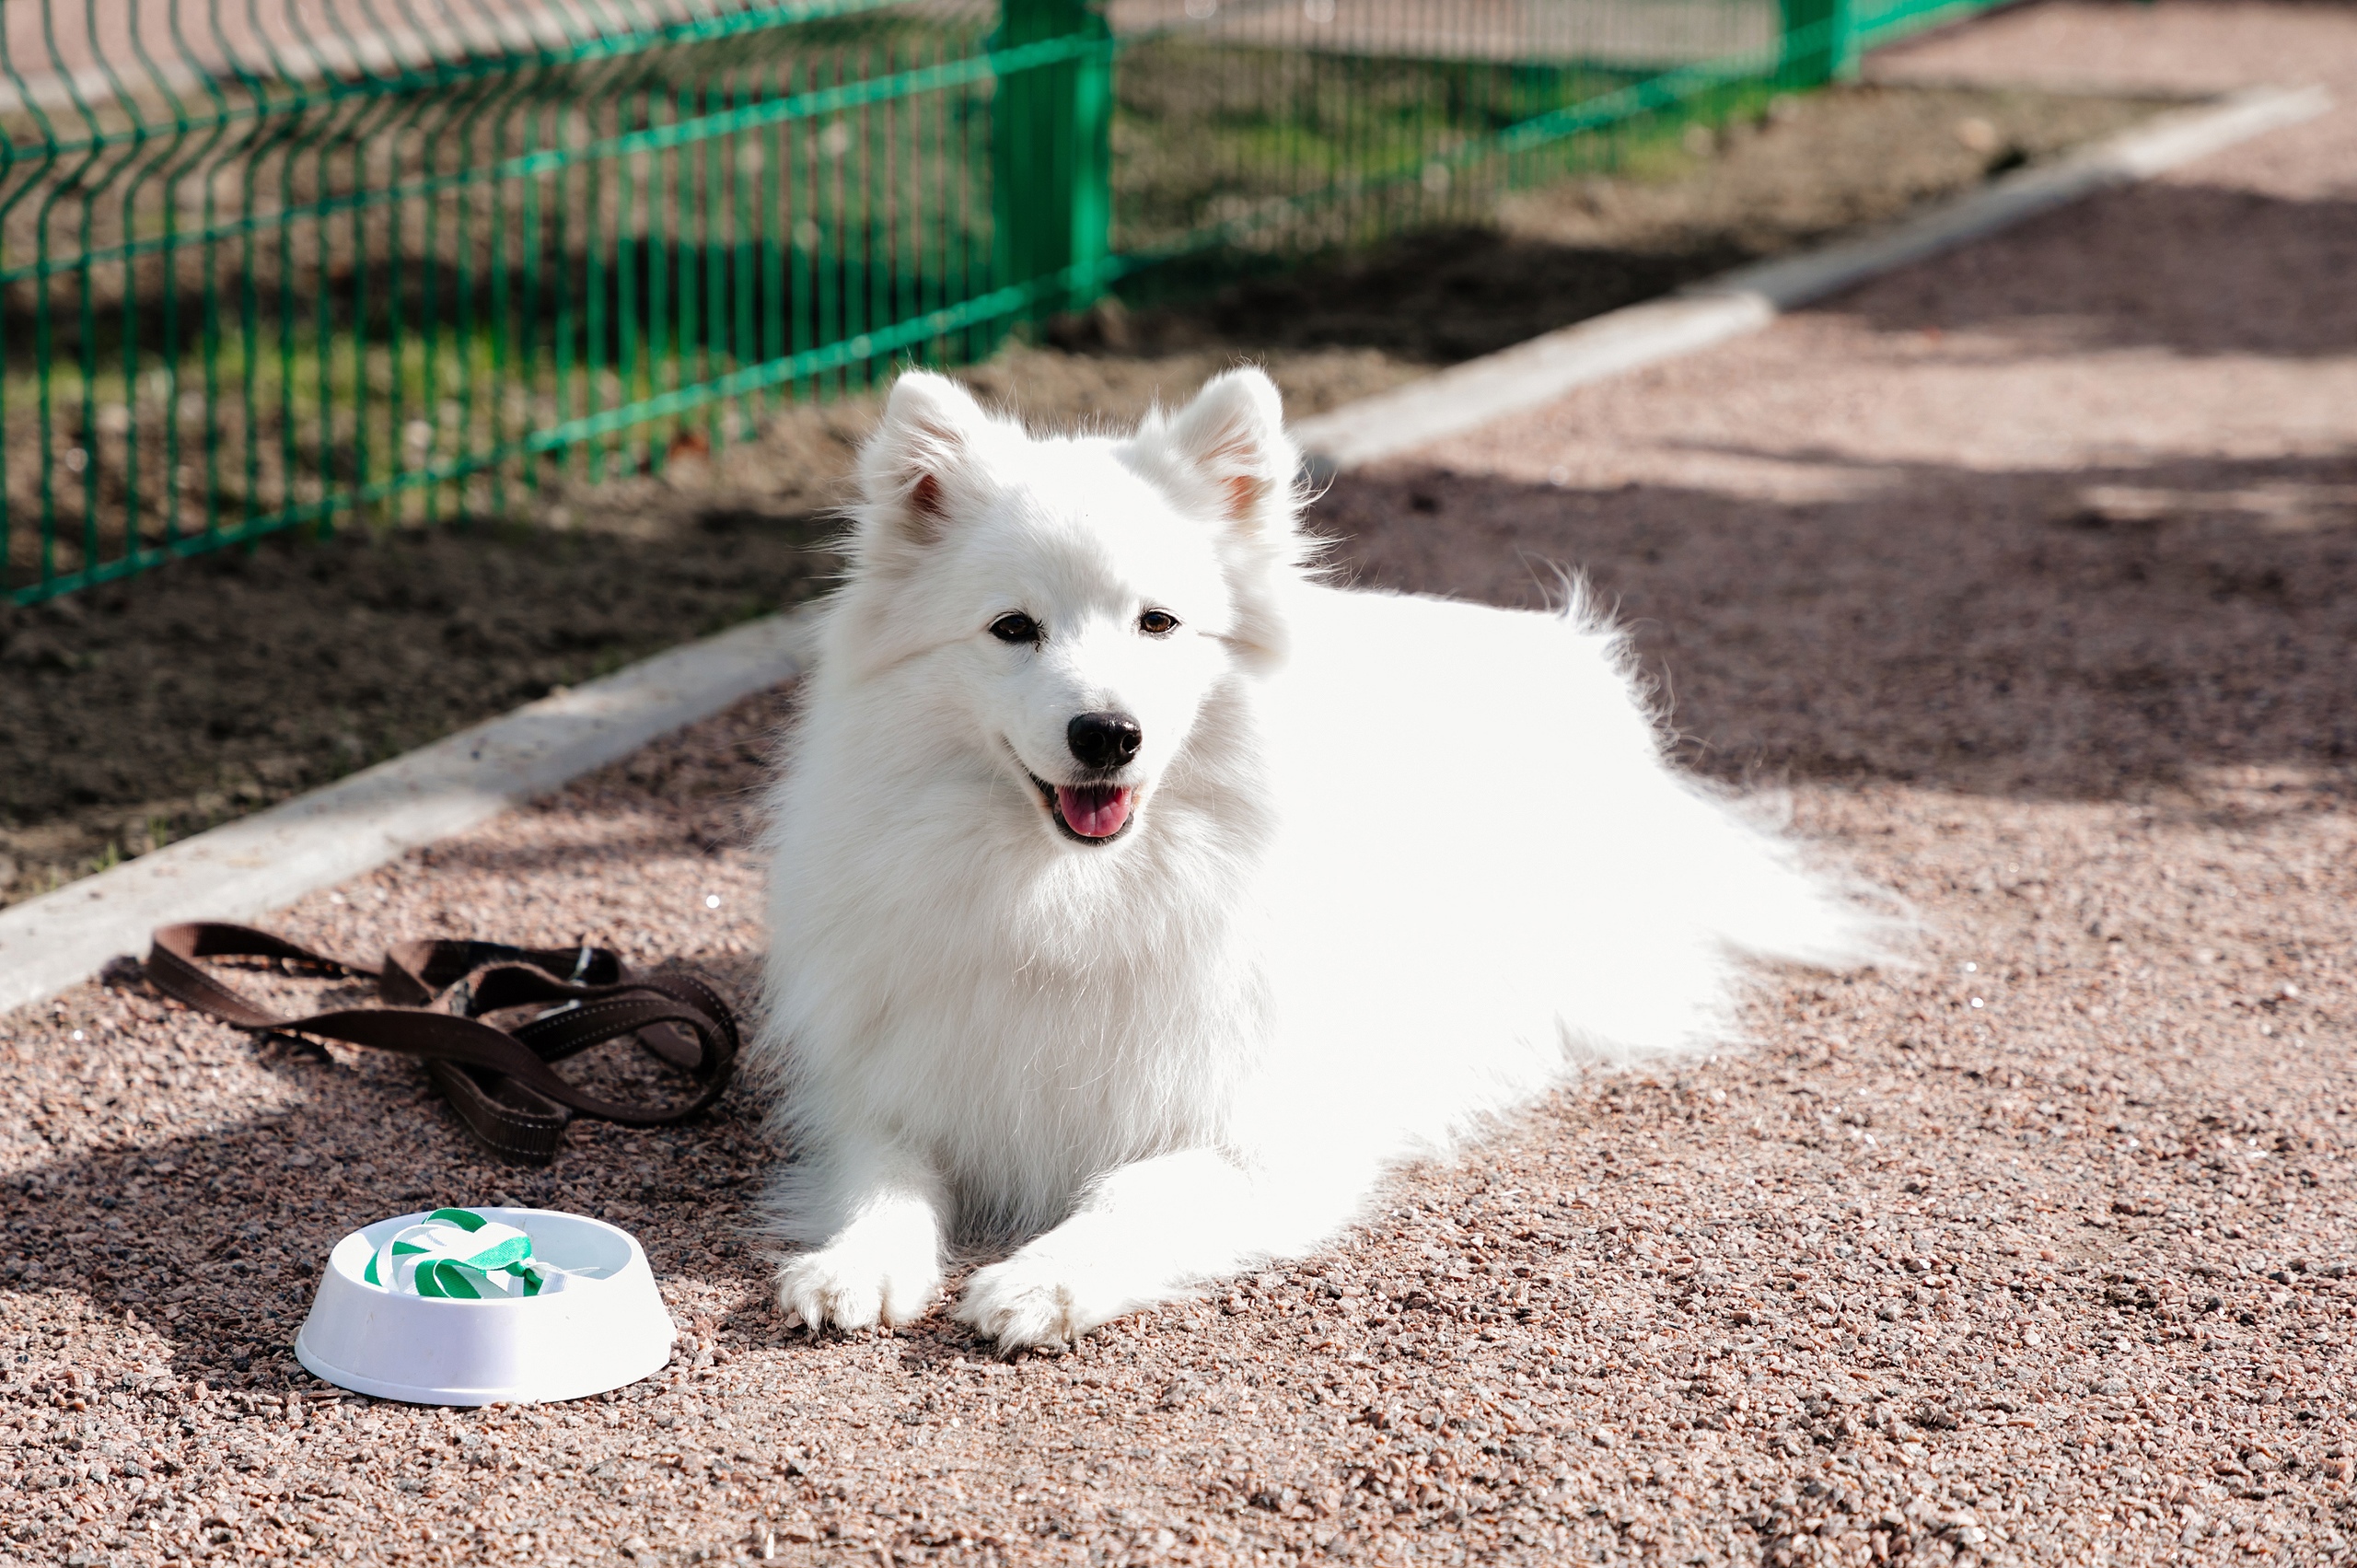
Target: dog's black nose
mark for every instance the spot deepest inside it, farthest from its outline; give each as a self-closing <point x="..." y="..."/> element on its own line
<point x="1104" y="740"/>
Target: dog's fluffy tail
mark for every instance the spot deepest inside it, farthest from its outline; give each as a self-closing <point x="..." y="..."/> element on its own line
<point x="1780" y="903"/>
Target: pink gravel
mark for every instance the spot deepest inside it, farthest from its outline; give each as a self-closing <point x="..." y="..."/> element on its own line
<point x="2032" y="574"/>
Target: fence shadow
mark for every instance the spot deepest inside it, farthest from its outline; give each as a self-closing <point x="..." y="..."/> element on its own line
<point x="2197" y="270"/>
<point x="1431" y="297"/>
<point x="2093" y="635"/>
<point x="2194" y="269"/>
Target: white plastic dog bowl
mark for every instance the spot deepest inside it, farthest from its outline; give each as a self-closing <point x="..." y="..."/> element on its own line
<point x="598" y="1333"/>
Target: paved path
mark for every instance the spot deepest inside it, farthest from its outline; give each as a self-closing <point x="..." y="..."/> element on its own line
<point x="2032" y="572"/>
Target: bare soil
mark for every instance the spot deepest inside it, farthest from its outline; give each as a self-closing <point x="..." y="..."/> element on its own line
<point x="136" y="713"/>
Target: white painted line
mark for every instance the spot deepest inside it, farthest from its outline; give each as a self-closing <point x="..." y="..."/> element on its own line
<point x="246" y="868"/>
<point x="1467" y="396"/>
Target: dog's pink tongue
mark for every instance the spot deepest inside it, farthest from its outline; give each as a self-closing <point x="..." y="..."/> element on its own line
<point x="1094" y="811"/>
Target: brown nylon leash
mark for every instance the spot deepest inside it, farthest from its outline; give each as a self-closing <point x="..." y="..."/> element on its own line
<point x="439" y="997"/>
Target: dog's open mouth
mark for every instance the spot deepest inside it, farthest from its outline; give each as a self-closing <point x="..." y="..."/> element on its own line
<point x="1090" y="813"/>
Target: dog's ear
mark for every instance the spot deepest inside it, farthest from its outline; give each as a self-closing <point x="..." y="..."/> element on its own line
<point x="1231" y="441"/>
<point x="1226" y="458"/>
<point x="930" y="426"/>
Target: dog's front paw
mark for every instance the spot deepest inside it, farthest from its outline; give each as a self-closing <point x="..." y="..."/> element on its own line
<point x="1032" y="1301"/>
<point x="856" y="1281"/>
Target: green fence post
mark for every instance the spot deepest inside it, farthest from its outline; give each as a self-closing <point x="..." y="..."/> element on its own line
<point x="1051" y="154"/>
<point x="1820" y="42"/>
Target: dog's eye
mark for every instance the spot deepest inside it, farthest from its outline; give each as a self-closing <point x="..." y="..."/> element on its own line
<point x="1015" y="627"/>
<point x="1157" y="623"/>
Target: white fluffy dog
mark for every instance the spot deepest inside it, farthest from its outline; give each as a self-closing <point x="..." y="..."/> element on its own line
<point x="1140" y="897"/>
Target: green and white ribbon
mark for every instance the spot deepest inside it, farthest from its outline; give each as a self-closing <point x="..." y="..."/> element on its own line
<point x="456" y="1253"/>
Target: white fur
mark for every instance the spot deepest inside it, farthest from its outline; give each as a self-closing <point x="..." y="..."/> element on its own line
<point x="1398" y="864"/>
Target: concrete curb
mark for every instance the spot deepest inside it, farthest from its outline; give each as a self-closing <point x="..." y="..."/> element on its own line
<point x="1467" y="396"/>
<point x="248" y="868"/>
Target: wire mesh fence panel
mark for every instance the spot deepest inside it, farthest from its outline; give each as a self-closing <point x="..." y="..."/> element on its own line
<point x="1250" y="128"/>
<point x="286" y="264"/>
<point x="313" y="268"/>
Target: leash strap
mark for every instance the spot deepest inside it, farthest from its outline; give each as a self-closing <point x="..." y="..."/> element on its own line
<point x="440" y="998"/>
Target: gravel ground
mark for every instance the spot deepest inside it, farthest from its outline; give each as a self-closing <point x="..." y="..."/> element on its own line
<point x="2032" y="573"/>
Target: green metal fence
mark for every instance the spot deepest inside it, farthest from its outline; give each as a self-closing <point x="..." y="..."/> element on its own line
<point x="278" y="263"/>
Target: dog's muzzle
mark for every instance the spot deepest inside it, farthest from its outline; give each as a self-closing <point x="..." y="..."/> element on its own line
<point x="1096" y="813"/>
